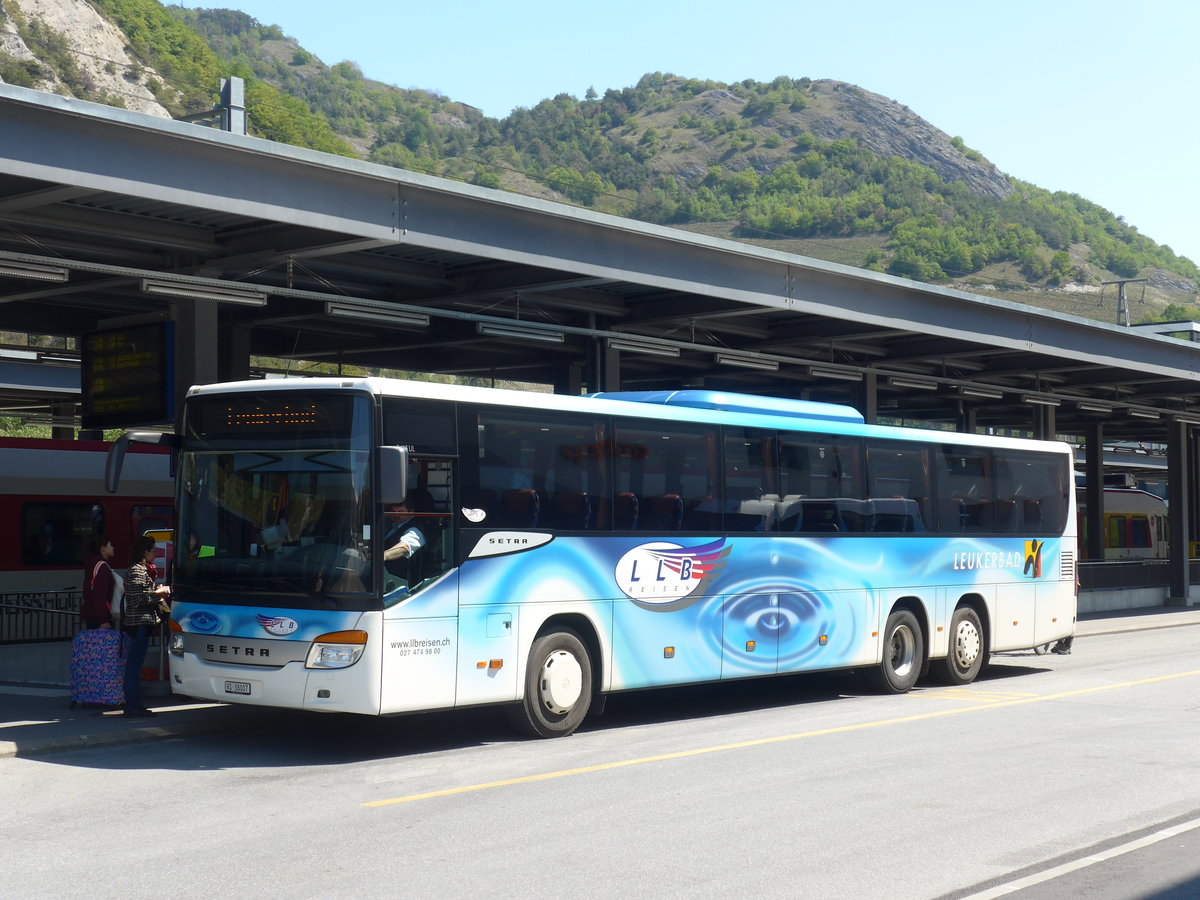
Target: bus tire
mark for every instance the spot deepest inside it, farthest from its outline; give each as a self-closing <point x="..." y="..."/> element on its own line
<point x="903" y="653"/>
<point x="966" y="654"/>
<point x="558" y="686"/>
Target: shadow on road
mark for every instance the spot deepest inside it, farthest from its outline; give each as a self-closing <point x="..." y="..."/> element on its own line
<point x="247" y="737"/>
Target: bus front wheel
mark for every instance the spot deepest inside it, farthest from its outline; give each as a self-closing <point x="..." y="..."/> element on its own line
<point x="903" y="653"/>
<point x="966" y="654"/>
<point x="558" y="686"/>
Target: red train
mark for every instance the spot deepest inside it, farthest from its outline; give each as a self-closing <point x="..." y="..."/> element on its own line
<point x="52" y="500"/>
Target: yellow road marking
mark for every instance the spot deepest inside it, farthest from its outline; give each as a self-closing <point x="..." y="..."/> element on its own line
<point x="973" y="696"/>
<point x="778" y="739"/>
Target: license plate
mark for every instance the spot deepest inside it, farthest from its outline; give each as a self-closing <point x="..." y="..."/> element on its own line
<point x="237" y="687"/>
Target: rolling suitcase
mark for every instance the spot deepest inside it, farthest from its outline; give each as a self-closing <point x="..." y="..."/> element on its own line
<point x="98" y="668"/>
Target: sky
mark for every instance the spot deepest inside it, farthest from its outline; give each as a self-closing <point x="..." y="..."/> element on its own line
<point x="1097" y="98"/>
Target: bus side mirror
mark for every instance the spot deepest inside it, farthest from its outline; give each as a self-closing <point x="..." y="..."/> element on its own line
<point x="393" y="474"/>
<point x="116" y="453"/>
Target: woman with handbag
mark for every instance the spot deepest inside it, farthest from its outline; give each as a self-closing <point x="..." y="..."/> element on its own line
<point x="98" y="584"/>
<point x="143" y="608"/>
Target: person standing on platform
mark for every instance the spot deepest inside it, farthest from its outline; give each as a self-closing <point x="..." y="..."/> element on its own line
<point x="98" y="583"/>
<point x="143" y="612"/>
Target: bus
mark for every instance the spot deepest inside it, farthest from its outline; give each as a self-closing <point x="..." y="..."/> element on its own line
<point x="1135" y="525"/>
<point x="52" y="500"/>
<point x="575" y="547"/>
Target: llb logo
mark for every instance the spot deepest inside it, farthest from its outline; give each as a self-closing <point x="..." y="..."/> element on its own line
<point x="663" y="576"/>
<point x="281" y="626"/>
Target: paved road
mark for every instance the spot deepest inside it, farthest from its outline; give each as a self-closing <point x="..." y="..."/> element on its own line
<point x="790" y="787"/>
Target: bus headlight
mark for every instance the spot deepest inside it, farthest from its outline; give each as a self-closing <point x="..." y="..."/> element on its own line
<point x="176" y="643"/>
<point x="336" y="650"/>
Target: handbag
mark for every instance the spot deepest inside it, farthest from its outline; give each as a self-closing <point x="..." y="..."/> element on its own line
<point x="118" y="598"/>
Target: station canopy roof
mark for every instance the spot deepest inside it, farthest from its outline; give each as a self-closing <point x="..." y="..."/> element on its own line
<point x="110" y="217"/>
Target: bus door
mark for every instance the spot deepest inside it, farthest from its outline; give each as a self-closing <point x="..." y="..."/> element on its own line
<point x="423" y="527"/>
<point x="420" y="591"/>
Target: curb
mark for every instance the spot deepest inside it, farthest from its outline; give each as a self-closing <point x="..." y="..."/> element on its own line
<point x="44" y="746"/>
<point x="142" y="734"/>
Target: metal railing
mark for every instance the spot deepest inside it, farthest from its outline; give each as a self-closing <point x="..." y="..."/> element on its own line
<point x="28" y="617"/>
<point x="1109" y="575"/>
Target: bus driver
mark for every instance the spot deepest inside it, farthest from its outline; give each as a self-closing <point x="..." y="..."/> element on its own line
<point x="404" y="538"/>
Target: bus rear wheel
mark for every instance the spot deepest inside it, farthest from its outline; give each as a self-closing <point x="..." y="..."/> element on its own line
<point x="965" y="658"/>
<point x="903" y="653"/>
<point x="558" y="686"/>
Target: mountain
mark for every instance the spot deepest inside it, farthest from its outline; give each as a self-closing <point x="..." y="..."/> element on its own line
<point x="816" y="167"/>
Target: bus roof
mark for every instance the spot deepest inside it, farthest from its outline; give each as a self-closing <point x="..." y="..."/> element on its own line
<point x="719" y="407"/>
<point x="750" y="403"/>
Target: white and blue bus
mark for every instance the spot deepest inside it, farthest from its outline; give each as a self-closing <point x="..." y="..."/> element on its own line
<point x="571" y="547"/>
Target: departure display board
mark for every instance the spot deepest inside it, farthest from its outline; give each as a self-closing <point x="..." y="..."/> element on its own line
<point x="128" y="376"/>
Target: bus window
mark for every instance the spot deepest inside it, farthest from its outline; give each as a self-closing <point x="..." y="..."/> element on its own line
<point x="897" y="486"/>
<point x="425" y="425"/>
<point x="537" y="475"/>
<point x="821" y="480"/>
<point x="670" y="473"/>
<point x="751" y="495"/>
<point x="965" y="491"/>
<point x="1032" y="492"/>
<point x="430" y="502"/>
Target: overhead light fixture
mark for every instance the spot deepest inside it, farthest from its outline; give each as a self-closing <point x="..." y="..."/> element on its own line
<point x="520" y="333"/>
<point x="1093" y="407"/>
<point x="30" y="355"/>
<point x="1037" y="400"/>
<point x="747" y="362"/>
<point x="54" y="359"/>
<point x="1187" y="420"/>
<point x="376" y="314"/>
<point x="981" y="392"/>
<point x="650" y="348"/>
<point x="836" y="374"/>
<point x="189" y="291"/>
<point x="919" y="384"/>
<point x="1141" y="413"/>
<point x="34" y="271"/>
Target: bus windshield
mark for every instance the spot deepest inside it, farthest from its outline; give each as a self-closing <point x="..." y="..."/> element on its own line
<point x="275" y="500"/>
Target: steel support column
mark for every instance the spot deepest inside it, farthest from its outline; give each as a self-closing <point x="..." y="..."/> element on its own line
<point x="1094" y="491"/>
<point x="197" y="347"/>
<point x="1045" y="425"/>
<point x="967" y="419"/>
<point x="234" y="354"/>
<point x="1178" y="492"/>
<point x="568" y="379"/>
<point x="866" y="398"/>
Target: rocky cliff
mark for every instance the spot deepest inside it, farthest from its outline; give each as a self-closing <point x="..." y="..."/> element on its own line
<point x="91" y="51"/>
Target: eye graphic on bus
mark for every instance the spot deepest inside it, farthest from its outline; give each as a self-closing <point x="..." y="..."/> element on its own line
<point x="660" y="574"/>
<point x="202" y="622"/>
